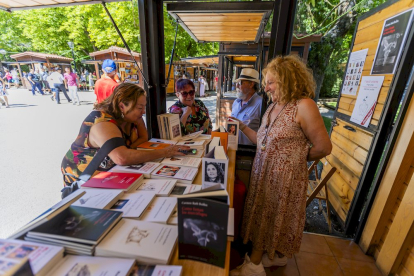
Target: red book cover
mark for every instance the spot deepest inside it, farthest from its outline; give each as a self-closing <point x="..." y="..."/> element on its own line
<point x="113" y="180"/>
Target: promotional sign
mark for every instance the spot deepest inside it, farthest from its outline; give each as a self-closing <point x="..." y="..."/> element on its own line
<point x="353" y="72"/>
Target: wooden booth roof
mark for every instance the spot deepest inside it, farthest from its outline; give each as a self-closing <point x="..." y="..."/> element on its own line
<point x="206" y="60"/>
<point x="117" y="52"/>
<point x="222" y="21"/>
<point x="14" y="5"/>
<point x="40" y="57"/>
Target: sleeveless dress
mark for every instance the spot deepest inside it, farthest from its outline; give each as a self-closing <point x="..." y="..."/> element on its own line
<point x="274" y="214"/>
<point x="81" y="154"/>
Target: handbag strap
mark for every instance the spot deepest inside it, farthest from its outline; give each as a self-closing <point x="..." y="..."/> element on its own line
<point x="107" y="147"/>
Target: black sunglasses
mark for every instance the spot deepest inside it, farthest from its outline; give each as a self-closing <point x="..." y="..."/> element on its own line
<point x="185" y="94"/>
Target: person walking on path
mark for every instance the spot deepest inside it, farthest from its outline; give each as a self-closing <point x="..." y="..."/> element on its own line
<point x="59" y="85"/>
<point x="3" y="92"/>
<point x="52" y="86"/>
<point x="72" y="83"/>
<point x="7" y="77"/>
<point x="105" y="86"/>
<point x="34" y="80"/>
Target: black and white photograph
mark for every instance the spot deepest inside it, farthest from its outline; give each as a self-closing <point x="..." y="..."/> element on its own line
<point x="391" y="43"/>
<point x="214" y="172"/>
<point x="203" y="233"/>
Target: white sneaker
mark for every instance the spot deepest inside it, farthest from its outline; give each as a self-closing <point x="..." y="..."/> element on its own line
<point x="248" y="269"/>
<point x="277" y="261"/>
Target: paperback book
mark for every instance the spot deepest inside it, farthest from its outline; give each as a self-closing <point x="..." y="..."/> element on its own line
<point x="78" y="224"/>
<point x="153" y="145"/>
<point x="183" y="189"/>
<point x="215" y="168"/>
<point x="157" y="270"/>
<point x="99" y="198"/>
<point x="84" y="265"/>
<point x="202" y="230"/>
<point x="219" y="138"/>
<point x="147" y="242"/>
<point x="161" y="187"/>
<point x="182" y="161"/>
<point x="41" y="257"/>
<point x="133" y="205"/>
<point x="182" y="174"/>
<point x="164" y="141"/>
<point x="114" y="180"/>
<point x="233" y="131"/>
<point x="169" y="126"/>
<point x="160" y="210"/>
<point x="193" y="143"/>
<point x="215" y="142"/>
<point x="16" y="268"/>
<point x="144" y="168"/>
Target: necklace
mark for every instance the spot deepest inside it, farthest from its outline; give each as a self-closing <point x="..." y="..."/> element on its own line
<point x="263" y="146"/>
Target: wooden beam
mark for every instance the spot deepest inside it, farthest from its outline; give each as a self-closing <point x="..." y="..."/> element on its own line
<point x="394" y="176"/>
<point x="399" y="235"/>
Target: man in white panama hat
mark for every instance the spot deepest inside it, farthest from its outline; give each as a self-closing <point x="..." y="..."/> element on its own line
<point x="248" y="105"/>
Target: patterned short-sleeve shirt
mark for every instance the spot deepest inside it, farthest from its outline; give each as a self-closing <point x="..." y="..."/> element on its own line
<point x="200" y="121"/>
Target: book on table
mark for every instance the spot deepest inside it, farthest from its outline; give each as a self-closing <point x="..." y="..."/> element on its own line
<point x="42" y="257"/>
<point x="173" y="220"/>
<point x="233" y="131"/>
<point x="202" y="230"/>
<point x="114" y="180"/>
<point x="161" y="187"/>
<point x="193" y="135"/>
<point x="215" y="168"/>
<point x="19" y="267"/>
<point x="182" y="174"/>
<point x="159" y="210"/>
<point x="48" y="214"/>
<point x="99" y="198"/>
<point x="193" y="143"/>
<point x="169" y="126"/>
<point x="183" y="189"/>
<point x="85" y="265"/>
<point x="185" y="161"/>
<point x="153" y="145"/>
<point x="163" y="141"/>
<point x="147" y="242"/>
<point x="223" y="140"/>
<point x="157" y="270"/>
<point x="215" y="192"/>
<point x="80" y="227"/>
<point x="144" y="168"/>
<point x="133" y="205"/>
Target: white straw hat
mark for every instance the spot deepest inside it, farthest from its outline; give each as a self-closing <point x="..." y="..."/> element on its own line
<point x="249" y="74"/>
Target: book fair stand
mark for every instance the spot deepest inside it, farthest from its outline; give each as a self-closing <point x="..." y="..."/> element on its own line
<point x="372" y="131"/>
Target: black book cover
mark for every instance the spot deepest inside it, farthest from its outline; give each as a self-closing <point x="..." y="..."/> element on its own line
<point x="78" y="223"/>
<point x="202" y="230"/>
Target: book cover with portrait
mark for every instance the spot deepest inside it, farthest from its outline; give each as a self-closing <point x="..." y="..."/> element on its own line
<point x="215" y="168"/>
<point x="202" y="230"/>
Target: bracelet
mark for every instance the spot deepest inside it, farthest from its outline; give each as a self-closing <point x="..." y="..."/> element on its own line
<point x="243" y="127"/>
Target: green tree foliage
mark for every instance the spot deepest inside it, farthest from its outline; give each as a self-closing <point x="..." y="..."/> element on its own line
<point x="89" y="27"/>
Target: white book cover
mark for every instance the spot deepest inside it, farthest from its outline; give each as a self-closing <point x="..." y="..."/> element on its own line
<point x="194" y="143"/>
<point x="233" y="130"/>
<point x="176" y="172"/>
<point x="159" y="187"/>
<point x="183" y="161"/>
<point x="145" y="168"/>
<point x="173" y="220"/>
<point x="148" y="243"/>
<point x="174" y="126"/>
<point x="160" y="210"/>
<point x="134" y="204"/>
<point x="41" y="257"/>
<point x="170" y="270"/>
<point x="164" y="141"/>
<point x="183" y="189"/>
<point x="192" y="135"/>
<point x="93" y="266"/>
<point x="99" y="198"/>
<point x="215" y="168"/>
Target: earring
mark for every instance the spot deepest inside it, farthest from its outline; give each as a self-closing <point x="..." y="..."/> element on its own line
<point x="122" y="115"/>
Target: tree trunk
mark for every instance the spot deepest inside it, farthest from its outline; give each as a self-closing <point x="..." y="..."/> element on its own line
<point x="321" y="51"/>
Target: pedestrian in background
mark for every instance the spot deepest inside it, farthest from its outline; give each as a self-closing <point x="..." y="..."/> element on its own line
<point x="34" y="80"/>
<point x="59" y="85"/>
<point x="90" y="82"/>
<point x="7" y="77"/>
<point x="72" y="83"/>
<point x="52" y="85"/>
<point x="105" y="86"/>
<point x="3" y="92"/>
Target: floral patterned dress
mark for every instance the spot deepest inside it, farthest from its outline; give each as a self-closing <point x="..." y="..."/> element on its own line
<point x="81" y="153"/>
<point x="274" y="214"/>
<point x="200" y="121"/>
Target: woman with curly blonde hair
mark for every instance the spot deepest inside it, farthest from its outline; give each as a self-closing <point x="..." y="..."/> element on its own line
<point x="292" y="133"/>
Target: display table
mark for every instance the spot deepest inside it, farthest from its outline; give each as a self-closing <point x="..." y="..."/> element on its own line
<point x="198" y="268"/>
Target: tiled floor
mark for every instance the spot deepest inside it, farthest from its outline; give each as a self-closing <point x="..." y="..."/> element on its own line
<point x="324" y="255"/>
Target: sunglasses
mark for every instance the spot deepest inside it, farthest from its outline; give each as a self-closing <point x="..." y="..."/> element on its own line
<point x="185" y="94"/>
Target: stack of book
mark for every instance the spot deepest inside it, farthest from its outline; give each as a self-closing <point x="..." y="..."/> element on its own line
<point x="182" y="174"/>
<point x="169" y="126"/>
<point x="133" y="205"/>
<point x="148" y="243"/>
<point x="114" y="180"/>
<point x="78" y="229"/>
<point x="144" y="168"/>
<point x="99" y="198"/>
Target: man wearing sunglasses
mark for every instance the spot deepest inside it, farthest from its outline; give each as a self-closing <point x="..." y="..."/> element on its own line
<point x="193" y="113"/>
<point x="248" y="105"/>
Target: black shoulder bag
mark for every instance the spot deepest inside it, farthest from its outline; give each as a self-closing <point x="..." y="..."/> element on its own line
<point x="109" y="145"/>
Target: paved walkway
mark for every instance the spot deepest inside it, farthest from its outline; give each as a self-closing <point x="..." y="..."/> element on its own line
<point x="35" y="134"/>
